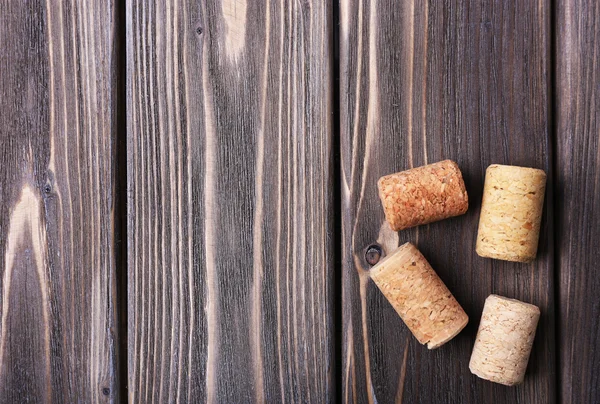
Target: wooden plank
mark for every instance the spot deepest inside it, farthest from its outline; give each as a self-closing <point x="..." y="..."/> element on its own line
<point x="230" y="201"/>
<point x="421" y="82"/>
<point x="578" y="198"/>
<point x="58" y="125"/>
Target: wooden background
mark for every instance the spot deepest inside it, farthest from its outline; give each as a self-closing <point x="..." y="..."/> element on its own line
<point x="188" y="190"/>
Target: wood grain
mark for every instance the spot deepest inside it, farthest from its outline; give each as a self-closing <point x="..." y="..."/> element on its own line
<point x="58" y="131"/>
<point x="421" y="82"/>
<point x="230" y="201"/>
<point x="578" y="197"/>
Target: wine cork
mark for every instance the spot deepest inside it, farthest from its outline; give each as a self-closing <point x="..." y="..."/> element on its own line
<point x="511" y="213"/>
<point x="504" y="340"/>
<point x="423" y="195"/>
<point x="419" y="296"/>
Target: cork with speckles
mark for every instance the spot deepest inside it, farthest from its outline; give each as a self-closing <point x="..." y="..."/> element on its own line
<point x="511" y="213"/>
<point x="419" y="296"/>
<point x="504" y="340"/>
<point x="423" y="195"/>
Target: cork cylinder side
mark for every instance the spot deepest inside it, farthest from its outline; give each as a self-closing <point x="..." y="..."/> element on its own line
<point x="419" y="296"/>
<point x="504" y="340"/>
<point x="423" y="195"/>
<point x="511" y="213"/>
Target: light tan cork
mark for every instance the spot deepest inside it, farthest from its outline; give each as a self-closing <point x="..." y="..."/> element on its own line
<point x="504" y="340"/>
<point x="511" y="213"/>
<point x="423" y="195"/>
<point x="419" y="296"/>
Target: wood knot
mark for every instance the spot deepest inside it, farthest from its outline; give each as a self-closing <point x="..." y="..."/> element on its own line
<point x="373" y="254"/>
<point x="106" y="391"/>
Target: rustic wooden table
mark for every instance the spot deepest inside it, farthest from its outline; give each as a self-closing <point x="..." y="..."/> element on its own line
<point x="189" y="188"/>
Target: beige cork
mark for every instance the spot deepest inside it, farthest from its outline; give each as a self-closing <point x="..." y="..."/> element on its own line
<point x="504" y="340"/>
<point x="419" y="296"/>
<point x="423" y="195"/>
<point x="511" y="213"/>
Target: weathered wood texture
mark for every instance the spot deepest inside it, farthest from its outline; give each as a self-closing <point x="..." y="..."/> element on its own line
<point x="578" y="197"/>
<point x="421" y="82"/>
<point x="58" y="130"/>
<point x="230" y="201"/>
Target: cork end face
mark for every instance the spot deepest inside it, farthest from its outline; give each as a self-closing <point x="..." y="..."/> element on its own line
<point x="448" y="334"/>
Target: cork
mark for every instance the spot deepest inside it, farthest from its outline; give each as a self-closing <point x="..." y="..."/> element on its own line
<point x="419" y="296"/>
<point x="504" y="340"/>
<point x="511" y="213"/>
<point x="423" y="195"/>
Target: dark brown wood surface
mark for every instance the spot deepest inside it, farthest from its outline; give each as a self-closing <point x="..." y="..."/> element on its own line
<point x="578" y="198"/>
<point x="421" y="82"/>
<point x="241" y="196"/>
<point x="58" y="212"/>
<point x="230" y="201"/>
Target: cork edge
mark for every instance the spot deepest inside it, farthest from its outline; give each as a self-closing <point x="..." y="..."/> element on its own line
<point x="531" y="307"/>
<point x="395" y="254"/>
<point x="453" y="163"/>
<point x="461" y="184"/>
<point x="434" y="343"/>
<point x="504" y="257"/>
<point x="494" y="379"/>
<point x="531" y="170"/>
<point x="381" y="198"/>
